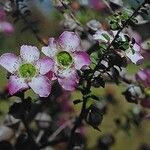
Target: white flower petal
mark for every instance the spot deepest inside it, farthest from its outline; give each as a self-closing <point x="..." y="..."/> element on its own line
<point x="41" y="85"/>
<point x="44" y="65"/>
<point x="16" y="84"/>
<point x="51" y="49"/>
<point x="69" y="41"/>
<point x="29" y="53"/>
<point x="10" y="62"/>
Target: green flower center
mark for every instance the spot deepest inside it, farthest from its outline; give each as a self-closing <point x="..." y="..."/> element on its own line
<point x="64" y="59"/>
<point x="27" y="71"/>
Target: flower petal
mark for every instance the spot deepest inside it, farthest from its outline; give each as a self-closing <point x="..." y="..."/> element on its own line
<point x="136" y="47"/>
<point x="10" y="62"/>
<point x="70" y="81"/>
<point x="51" y="49"/>
<point x="45" y="65"/>
<point x="99" y="36"/>
<point x="135" y="58"/>
<point x="69" y="41"/>
<point x="16" y="84"/>
<point x="41" y="85"/>
<point x="29" y="53"/>
<point x="81" y="59"/>
<point x="6" y="27"/>
<point x="143" y="77"/>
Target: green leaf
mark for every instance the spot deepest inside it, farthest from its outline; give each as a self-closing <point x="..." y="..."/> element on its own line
<point x="77" y="101"/>
<point x="106" y="36"/>
<point x="95" y="97"/>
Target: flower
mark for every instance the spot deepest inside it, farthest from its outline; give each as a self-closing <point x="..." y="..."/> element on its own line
<point x="100" y="36"/>
<point x="98" y="5"/>
<point x="27" y="70"/>
<point x="132" y="51"/>
<point x="5" y="27"/>
<point x="68" y="58"/>
<point x="143" y="77"/>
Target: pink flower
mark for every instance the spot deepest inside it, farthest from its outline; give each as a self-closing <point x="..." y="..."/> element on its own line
<point x="100" y="36"/>
<point x="68" y="58"/>
<point x="133" y="53"/>
<point x="27" y="70"/>
<point x="143" y="76"/>
<point x="2" y="15"/>
<point x="98" y="4"/>
<point x="5" y="27"/>
<point x="145" y="102"/>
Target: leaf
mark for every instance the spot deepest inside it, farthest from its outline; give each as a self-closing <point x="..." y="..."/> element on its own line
<point x="99" y="81"/>
<point x="106" y="36"/>
<point x="94" y="57"/>
<point x="125" y="46"/>
<point x="95" y="97"/>
<point x="115" y="74"/>
<point x="77" y="101"/>
<point x="16" y="110"/>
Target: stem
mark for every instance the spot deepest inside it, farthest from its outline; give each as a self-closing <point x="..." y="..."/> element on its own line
<point x="24" y="121"/>
<point x="66" y="7"/>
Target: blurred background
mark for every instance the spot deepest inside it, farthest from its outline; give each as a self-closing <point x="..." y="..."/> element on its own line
<point x="47" y="19"/>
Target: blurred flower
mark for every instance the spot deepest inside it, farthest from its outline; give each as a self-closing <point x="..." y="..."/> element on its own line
<point x="2" y="15"/>
<point x="43" y="120"/>
<point x="101" y="38"/>
<point x="94" y="25"/>
<point x="143" y="77"/>
<point x="69" y="23"/>
<point x="6" y="133"/>
<point x="68" y="58"/>
<point x="118" y="3"/>
<point x="27" y="71"/>
<point x="105" y="142"/>
<point x="135" y="35"/>
<point x="97" y="4"/>
<point x="133" y="94"/>
<point x="133" y="53"/>
<point x="5" y="27"/>
<point x="145" y="102"/>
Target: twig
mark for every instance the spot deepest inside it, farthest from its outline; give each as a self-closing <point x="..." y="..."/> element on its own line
<point x="66" y="7"/>
<point x="58" y="131"/>
<point x="32" y="29"/>
<point x="29" y="25"/>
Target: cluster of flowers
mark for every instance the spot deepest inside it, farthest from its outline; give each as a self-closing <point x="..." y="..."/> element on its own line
<point x="5" y="27"/>
<point x="63" y="58"/>
<point x="132" y="51"/>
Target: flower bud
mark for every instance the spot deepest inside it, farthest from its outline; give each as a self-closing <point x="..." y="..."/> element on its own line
<point x="105" y="142"/>
<point x="133" y="93"/>
<point x="43" y="120"/>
